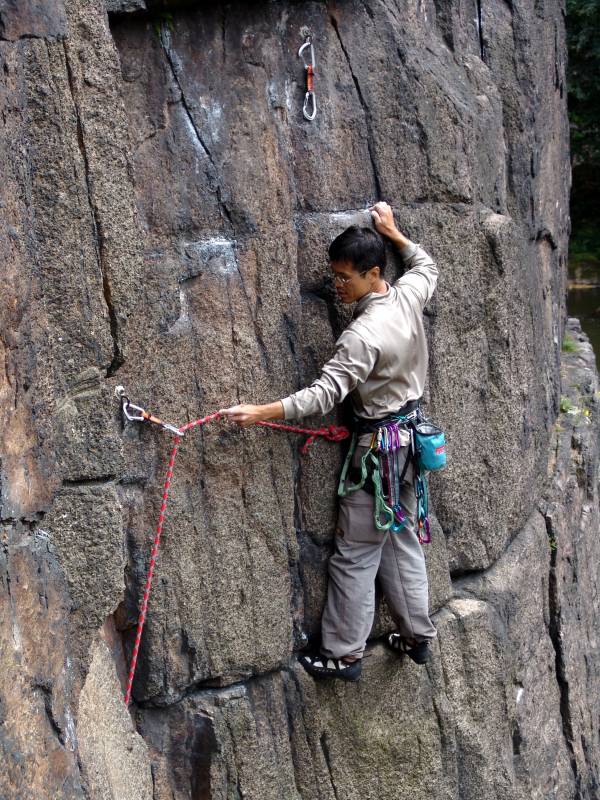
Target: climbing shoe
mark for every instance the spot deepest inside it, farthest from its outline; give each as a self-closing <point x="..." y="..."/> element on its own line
<point x="419" y="652"/>
<point x="320" y="666"/>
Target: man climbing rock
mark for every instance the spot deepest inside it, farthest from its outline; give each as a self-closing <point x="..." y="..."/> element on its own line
<point x="380" y="360"/>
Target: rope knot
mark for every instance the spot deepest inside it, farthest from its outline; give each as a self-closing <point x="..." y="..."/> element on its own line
<point x="336" y="434"/>
<point x="332" y="434"/>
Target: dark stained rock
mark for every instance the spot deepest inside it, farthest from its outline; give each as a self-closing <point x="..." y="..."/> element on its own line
<point x="39" y="19"/>
<point x="38" y="738"/>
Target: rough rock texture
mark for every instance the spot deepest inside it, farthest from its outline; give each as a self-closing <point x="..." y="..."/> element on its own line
<point x="164" y="216"/>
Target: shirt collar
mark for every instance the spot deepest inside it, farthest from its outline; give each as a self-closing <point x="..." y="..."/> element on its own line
<point x="368" y="299"/>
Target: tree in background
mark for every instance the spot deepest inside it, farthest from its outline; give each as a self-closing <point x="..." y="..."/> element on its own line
<point x="583" y="39"/>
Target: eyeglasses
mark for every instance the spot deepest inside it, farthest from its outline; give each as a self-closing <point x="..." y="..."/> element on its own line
<point x="343" y="280"/>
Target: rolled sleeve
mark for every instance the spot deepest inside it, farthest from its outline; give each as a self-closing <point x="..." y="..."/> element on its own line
<point x="421" y="276"/>
<point x="352" y="363"/>
<point x="288" y="407"/>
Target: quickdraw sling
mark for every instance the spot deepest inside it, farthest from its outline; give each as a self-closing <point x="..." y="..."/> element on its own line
<point x="383" y="465"/>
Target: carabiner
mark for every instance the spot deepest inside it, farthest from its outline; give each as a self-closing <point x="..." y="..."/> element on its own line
<point x="381" y="507"/>
<point x="308" y="98"/>
<point x="311" y="62"/>
<point x="128" y="407"/>
<point x="310" y="101"/>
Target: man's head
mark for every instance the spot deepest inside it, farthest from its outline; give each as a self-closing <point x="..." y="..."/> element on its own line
<point x="357" y="259"/>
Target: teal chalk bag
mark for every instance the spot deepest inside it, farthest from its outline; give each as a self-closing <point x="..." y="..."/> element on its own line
<point x="430" y="446"/>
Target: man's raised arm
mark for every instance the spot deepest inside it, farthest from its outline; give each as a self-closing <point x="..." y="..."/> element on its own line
<point x="421" y="272"/>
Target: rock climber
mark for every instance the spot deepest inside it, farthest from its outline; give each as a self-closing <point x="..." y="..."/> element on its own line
<point x="380" y="360"/>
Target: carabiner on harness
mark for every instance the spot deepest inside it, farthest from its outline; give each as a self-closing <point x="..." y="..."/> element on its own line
<point x="309" y="108"/>
<point x="135" y="413"/>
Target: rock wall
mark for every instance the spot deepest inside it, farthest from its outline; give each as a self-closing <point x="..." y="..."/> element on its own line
<point x="165" y="213"/>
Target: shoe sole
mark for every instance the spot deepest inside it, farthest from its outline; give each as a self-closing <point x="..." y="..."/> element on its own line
<point x="340" y="676"/>
<point x="420" y="660"/>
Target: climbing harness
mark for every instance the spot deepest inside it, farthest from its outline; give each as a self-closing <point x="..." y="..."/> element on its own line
<point x="309" y="109"/>
<point x="135" y="413"/>
<point x="382" y="464"/>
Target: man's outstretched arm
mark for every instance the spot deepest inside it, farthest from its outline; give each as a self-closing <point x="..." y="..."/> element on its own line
<point x="350" y="365"/>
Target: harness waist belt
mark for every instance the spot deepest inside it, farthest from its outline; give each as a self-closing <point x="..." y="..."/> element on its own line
<point x="361" y="425"/>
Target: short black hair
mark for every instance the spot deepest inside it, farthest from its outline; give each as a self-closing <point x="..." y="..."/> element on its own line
<point x="362" y="247"/>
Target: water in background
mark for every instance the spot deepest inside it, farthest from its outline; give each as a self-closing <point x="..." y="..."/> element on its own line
<point x="585" y="304"/>
<point x="583" y="300"/>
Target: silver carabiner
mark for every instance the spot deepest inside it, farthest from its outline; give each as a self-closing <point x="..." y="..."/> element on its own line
<point x="127" y="406"/>
<point x="311" y="62"/>
<point x="308" y="97"/>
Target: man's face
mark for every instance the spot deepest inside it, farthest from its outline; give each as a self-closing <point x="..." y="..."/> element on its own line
<point x="350" y="284"/>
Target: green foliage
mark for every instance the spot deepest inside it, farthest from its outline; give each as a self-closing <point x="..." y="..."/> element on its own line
<point x="569" y="345"/>
<point x="162" y="20"/>
<point x="583" y="71"/>
<point x="566" y="405"/>
<point x="583" y="40"/>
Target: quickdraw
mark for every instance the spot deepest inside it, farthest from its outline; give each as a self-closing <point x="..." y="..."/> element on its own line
<point x="136" y="413"/>
<point x="310" y="101"/>
<point x="423" y="531"/>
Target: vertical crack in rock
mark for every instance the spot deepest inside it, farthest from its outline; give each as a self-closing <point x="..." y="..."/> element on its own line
<point x="264" y="353"/>
<point x="118" y="359"/>
<point x="233" y="769"/>
<point x="153" y="777"/>
<point x="166" y="46"/>
<point x="445" y="743"/>
<point x="365" y="108"/>
<point x="291" y="336"/>
<point x="47" y="696"/>
<point x="16" y="634"/>
<point x="480" y="30"/>
<point x="426" y="149"/>
<point x="233" y="338"/>
<point x="291" y="684"/>
<point x="223" y="32"/>
<point x="557" y="64"/>
<point x="297" y="584"/>
<point x="326" y="755"/>
<point x="11" y="380"/>
<point x="555" y="632"/>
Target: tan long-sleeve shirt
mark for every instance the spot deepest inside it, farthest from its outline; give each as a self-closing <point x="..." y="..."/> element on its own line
<point x="380" y="359"/>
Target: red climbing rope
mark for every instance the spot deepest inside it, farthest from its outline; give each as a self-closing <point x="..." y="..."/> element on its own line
<point x="331" y="433"/>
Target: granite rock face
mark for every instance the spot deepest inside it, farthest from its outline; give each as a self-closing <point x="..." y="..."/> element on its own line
<point x="165" y="212"/>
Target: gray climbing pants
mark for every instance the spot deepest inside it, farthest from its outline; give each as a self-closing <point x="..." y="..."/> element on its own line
<point x="362" y="554"/>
